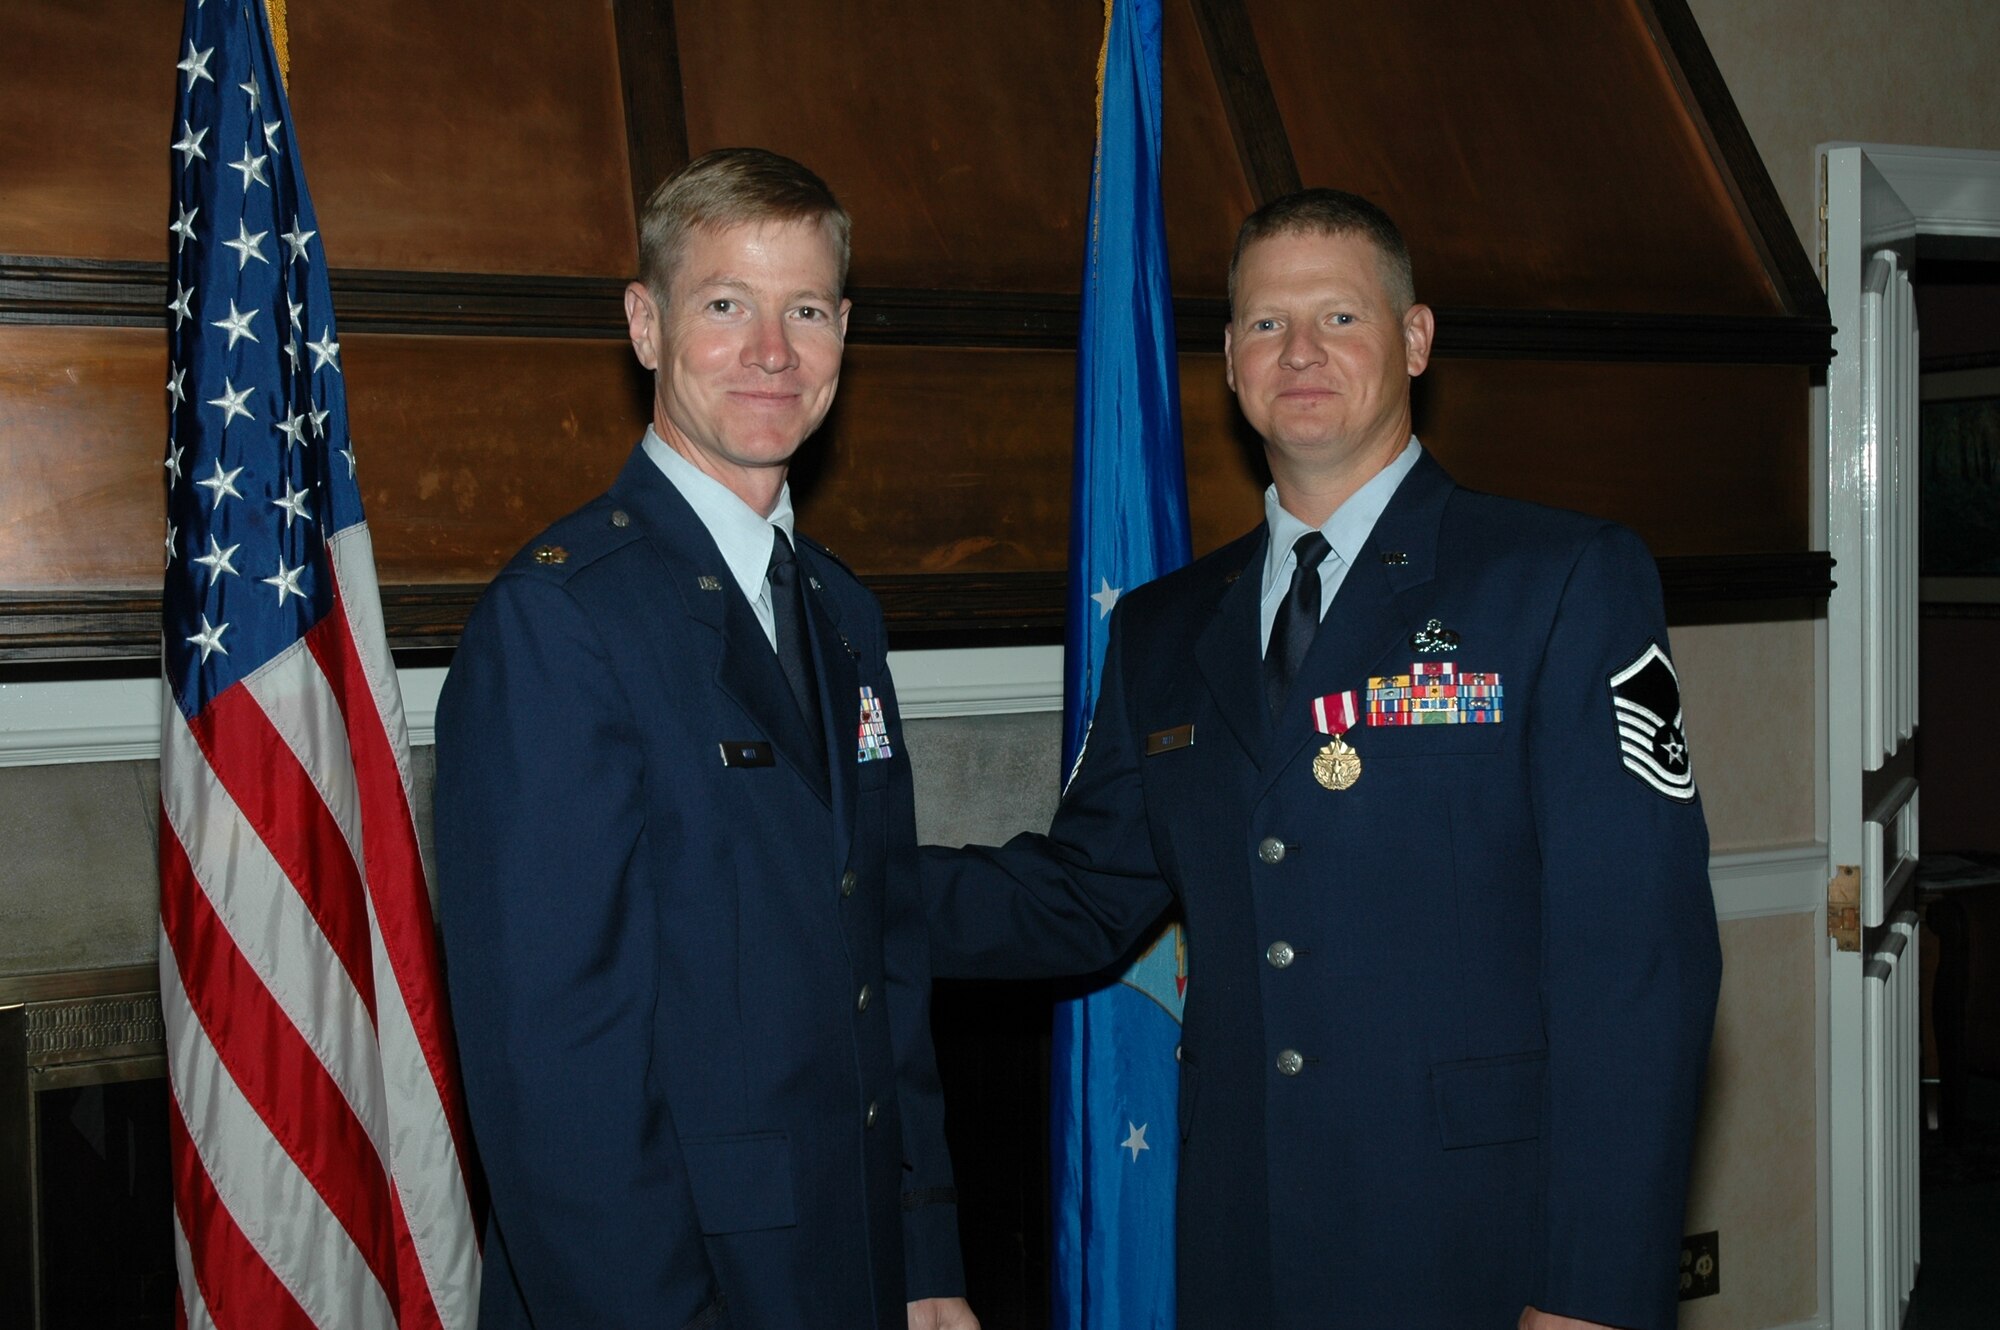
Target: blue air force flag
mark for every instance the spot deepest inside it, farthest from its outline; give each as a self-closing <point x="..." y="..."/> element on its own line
<point x="1115" y="1088"/>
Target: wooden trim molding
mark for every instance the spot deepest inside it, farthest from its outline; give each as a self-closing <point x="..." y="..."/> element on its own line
<point x="126" y="294"/>
<point x="134" y="295"/>
<point x="1706" y="96"/>
<point x="921" y="609"/>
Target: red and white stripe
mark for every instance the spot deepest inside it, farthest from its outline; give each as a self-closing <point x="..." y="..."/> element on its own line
<point x="319" y="1132"/>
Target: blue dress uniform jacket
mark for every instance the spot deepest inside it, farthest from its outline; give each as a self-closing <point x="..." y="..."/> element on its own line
<point x="687" y="962"/>
<point x="1445" y="1029"/>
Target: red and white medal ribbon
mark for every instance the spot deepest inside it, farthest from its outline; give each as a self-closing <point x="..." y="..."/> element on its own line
<point x="1336" y="713"/>
<point x="1336" y="766"/>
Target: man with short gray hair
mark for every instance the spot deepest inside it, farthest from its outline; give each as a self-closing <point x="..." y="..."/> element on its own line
<point x="682" y="925"/>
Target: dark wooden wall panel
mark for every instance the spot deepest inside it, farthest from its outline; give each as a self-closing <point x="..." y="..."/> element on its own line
<point x="959" y="137"/>
<point x="942" y="460"/>
<point x="1699" y="459"/>
<point x="465" y="135"/>
<point x="1535" y="155"/>
<point x="83" y="424"/>
<point x="86" y="107"/>
<point x="467" y="446"/>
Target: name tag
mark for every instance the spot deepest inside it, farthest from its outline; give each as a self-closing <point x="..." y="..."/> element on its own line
<point x="1167" y="741"/>
<point x="746" y="753"/>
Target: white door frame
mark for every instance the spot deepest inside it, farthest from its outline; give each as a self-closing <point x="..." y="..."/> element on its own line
<point x="1942" y="192"/>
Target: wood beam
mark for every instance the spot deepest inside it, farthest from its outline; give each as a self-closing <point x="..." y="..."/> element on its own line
<point x="1252" y="110"/>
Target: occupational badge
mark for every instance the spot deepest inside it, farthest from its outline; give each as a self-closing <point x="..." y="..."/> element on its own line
<point x="1646" y="698"/>
<point x="873" y="739"/>
<point x="1433" y="639"/>
<point x="1336" y="766"/>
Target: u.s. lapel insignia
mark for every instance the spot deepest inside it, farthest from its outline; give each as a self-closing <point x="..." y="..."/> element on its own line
<point x="707" y="583"/>
<point x="1395" y="558"/>
<point x="873" y="735"/>
<point x="1433" y="639"/>
<point x="1646" y="698"/>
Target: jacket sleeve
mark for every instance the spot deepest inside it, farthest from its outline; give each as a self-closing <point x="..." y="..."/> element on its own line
<point x="932" y="1259"/>
<point x="1630" y="959"/>
<point x="550" y="954"/>
<point x="1069" y="903"/>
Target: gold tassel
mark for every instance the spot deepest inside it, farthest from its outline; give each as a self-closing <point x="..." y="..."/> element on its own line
<point x="276" y="9"/>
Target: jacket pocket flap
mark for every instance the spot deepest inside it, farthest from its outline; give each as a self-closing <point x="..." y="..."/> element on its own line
<point x="741" y="1183"/>
<point x="1488" y="1101"/>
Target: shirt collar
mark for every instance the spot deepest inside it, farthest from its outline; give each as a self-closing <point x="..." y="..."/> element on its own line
<point x="1349" y="527"/>
<point x="739" y="531"/>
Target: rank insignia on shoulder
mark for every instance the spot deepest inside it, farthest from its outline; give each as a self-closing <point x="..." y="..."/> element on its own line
<point x="873" y="738"/>
<point x="548" y="554"/>
<point x="1646" y="699"/>
<point x="1435" y="692"/>
<point x="1433" y="639"/>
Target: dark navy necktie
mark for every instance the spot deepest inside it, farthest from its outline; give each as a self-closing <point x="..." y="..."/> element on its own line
<point x="788" y="614"/>
<point x="1298" y="619"/>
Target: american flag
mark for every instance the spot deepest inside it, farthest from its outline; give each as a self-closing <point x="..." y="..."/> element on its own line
<point x="320" y="1150"/>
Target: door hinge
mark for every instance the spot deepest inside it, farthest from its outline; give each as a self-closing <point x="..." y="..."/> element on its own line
<point x="1843" y="907"/>
<point x="1822" y="219"/>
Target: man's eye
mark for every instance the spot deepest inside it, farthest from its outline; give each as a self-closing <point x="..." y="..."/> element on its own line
<point x="810" y="314"/>
<point x="1343" y="318"/>
<point x="722" y="306"/>
<point x="1265" y="325"/>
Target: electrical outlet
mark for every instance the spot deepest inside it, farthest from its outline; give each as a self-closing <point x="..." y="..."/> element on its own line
<point x="1699" y="1275"/>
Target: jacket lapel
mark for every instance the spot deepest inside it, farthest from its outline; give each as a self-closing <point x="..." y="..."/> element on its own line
<point x="836" y="666"/>
<point x="747" y="669"/>
<point x="1373" y="611"/>
<point x="1228" y="652"/>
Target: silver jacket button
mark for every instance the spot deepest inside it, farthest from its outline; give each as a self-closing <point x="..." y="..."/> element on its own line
<point x="847" y="883"/>
<point x="1280" y="954"/>
<point x="1290" y="1063"/>
<point x="861" y="999"/>
<point x="874" y="1112"/>
<point x="1271" y="850"/>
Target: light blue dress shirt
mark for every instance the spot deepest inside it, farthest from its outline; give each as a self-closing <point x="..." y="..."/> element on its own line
<point x="740" y="532"/>
<point x="1346" y="531"/>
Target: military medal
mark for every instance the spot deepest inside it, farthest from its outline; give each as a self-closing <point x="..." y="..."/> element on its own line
<point x="1336" y="766"/>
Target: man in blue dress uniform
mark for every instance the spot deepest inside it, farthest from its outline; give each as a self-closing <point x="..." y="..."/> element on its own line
<point x="677" y="849"/>
<point x="1410" y="761"/>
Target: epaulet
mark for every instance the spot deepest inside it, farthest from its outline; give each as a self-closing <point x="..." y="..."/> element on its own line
<point x="821" y="549"/>
<point x="575" y="542"/>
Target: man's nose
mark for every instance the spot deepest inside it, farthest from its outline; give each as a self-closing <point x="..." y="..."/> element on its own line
<point x="1302" y="347"/>
<point x="770" y="347"/>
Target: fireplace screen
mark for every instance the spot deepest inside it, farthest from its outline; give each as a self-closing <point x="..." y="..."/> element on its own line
<point x="86" y="1206"/>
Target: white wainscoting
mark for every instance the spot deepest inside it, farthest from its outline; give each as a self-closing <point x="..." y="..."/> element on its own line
<point x="112" y="720"/>
<point x="108" y="720"/>
<point x="1787" y="879"/>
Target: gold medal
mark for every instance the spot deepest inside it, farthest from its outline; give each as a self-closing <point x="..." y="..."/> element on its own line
<point x="1337" y="766"/>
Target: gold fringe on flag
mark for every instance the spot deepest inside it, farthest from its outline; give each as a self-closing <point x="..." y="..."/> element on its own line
<point x="1103" y="54"/>
<point x="276" y="9"/>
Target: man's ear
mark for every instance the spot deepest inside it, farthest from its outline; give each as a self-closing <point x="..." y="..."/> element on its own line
<point x="642" y="323"/>
<point x="1228" y="357"/>
<point x="1419" y="326"/>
